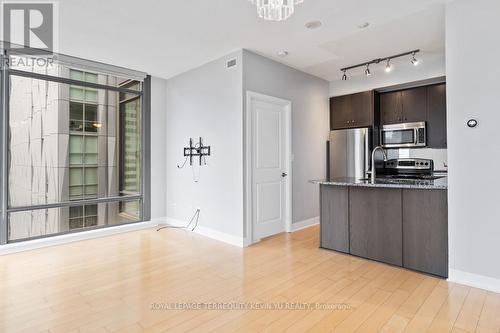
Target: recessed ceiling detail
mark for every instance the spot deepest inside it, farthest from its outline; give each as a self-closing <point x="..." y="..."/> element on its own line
<point x="313" y="25"/>
<point x="282" y="53"/>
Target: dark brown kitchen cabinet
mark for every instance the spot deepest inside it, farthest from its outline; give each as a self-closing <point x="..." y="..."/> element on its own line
<point x="376" y="224"/>
<point x="414" y="103"/>
<point x="405" y="106"/>
<point x="334" y="218"/>
<point x="391" y="108"/>
<point x="352" y="111"/>
<point x="426" y="103"/>
<point x="436" y="116"/>
<point x="340" y="109"/>
<point x="425" y="231"/>
<point x="362" y="109"/>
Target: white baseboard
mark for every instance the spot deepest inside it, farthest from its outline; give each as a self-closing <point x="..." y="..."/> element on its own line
<point x="210" y="233"/>
<point x="474" y="280"/>
<point x="74" y="237"/>
<point x="305" y="224"/>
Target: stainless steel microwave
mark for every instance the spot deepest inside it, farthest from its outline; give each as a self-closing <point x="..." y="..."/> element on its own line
<point x="404" y="135"/>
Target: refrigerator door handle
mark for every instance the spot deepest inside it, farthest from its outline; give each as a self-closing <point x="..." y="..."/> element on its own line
<point x="367" y="152"/>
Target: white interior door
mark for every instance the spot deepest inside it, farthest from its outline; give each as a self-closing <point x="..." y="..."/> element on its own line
<point x="270" y="166"/>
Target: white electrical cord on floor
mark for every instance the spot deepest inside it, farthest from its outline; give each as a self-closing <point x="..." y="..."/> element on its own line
<point x="196" y="214"/>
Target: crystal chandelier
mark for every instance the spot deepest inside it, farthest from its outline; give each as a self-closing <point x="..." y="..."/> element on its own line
<point x="275" y="10"/>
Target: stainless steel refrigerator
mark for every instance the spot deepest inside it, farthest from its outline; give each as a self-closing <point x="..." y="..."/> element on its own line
<point x="349" y="153"/>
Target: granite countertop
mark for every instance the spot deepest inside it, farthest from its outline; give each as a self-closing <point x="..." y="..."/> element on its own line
<point x="426" y="184"/>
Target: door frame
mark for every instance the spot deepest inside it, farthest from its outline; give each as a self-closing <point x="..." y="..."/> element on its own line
<point x="248" y="159"/>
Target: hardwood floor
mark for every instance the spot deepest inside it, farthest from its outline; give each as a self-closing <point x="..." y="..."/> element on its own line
<point x="111" y="284"/>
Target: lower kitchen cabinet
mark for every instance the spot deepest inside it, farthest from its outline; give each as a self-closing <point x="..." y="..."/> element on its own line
<point x="425" y="231"/>
<point x="399" y="226"/>
<point x="334" y="218"/>
<point x="376" y="224"/>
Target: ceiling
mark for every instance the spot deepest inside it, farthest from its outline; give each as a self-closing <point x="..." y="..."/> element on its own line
<point x="165" y="38"/>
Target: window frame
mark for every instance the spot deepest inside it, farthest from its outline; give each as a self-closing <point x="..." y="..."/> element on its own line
<point x="143" y="197"/>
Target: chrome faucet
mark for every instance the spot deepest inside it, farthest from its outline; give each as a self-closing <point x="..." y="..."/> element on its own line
<point x="373" y="160"/>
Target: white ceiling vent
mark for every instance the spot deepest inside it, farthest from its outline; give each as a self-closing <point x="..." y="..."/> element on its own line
<point x="231" y="63"/>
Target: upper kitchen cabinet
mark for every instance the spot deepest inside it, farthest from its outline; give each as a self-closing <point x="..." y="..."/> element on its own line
<point x="414" y="104"/>
<point x="405" y="106"/>
<point x="426" y="103"/>
<point x="436" y="116"/>
<point x="340" y="111"/>
<point x="352" y="111"/>
<point x="391" y="108"/>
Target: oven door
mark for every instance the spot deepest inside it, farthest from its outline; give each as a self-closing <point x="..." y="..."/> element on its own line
<point x="399" y="138"/>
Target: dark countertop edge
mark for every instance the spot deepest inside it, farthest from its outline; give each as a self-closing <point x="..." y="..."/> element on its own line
<point x="382" y="185"/>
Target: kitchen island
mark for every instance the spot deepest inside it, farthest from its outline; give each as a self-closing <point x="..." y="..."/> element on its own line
<point x="403" y="222"/>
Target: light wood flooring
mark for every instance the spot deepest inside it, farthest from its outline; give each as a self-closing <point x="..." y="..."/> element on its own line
<point x="109" y="285"/>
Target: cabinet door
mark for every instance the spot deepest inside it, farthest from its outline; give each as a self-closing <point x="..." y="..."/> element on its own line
<point x="376" y="224"/>
<point x="414" y="104"/>
<point x="340" y="108"/>
<point x="391" y="108"/>
<point x="362" y="109"/>
<point x="436" y="116"/>
<point x="425" y="231"/>
<point x="334" y="223"/>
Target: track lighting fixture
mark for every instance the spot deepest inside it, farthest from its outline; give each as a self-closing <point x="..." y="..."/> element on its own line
<point x="414" y="60"/>
<point x="388" y="66"/>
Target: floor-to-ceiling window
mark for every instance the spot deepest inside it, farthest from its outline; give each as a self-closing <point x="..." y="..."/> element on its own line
<point x="72" y="147"/>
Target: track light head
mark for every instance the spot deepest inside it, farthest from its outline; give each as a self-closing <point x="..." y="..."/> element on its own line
<point x="414" y="60"/>
<point x="388" y="67"/>
<point x="367" y="70"/>
<point x="344" y="76"/>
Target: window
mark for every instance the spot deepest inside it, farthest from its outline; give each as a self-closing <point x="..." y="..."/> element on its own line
<point x="83" y="166"/>
<point x="72" y="140"/>
<point x="83" y="104"/>
<point x="82" y="217"/>
<point x="130" y="158"/>
<point x="83" y="117"/>
<point x="83" y="179"/>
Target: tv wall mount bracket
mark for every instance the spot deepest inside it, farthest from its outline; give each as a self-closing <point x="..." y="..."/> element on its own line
<point x="197" y="150"/>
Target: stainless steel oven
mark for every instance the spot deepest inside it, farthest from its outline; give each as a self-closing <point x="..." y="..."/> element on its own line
<point x="404" y="135"/>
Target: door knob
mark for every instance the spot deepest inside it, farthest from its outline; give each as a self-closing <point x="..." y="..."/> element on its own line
<point x="284" y="174"/>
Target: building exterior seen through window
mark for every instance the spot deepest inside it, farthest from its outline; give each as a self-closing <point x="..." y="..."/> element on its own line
<point x="71" y="142"/>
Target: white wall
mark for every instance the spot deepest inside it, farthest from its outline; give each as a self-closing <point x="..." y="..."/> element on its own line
<point x="158" y="149"/>
<point x="310" y="124"/>
<point x="207" y="102"/>
<point x="429" y="67"/>
<point x="473" y="72"/>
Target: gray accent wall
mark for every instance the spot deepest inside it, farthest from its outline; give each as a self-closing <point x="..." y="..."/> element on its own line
<point x="207" y="102"/>
<point x="210" y="101"/>
<point x="310" y="123"/>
